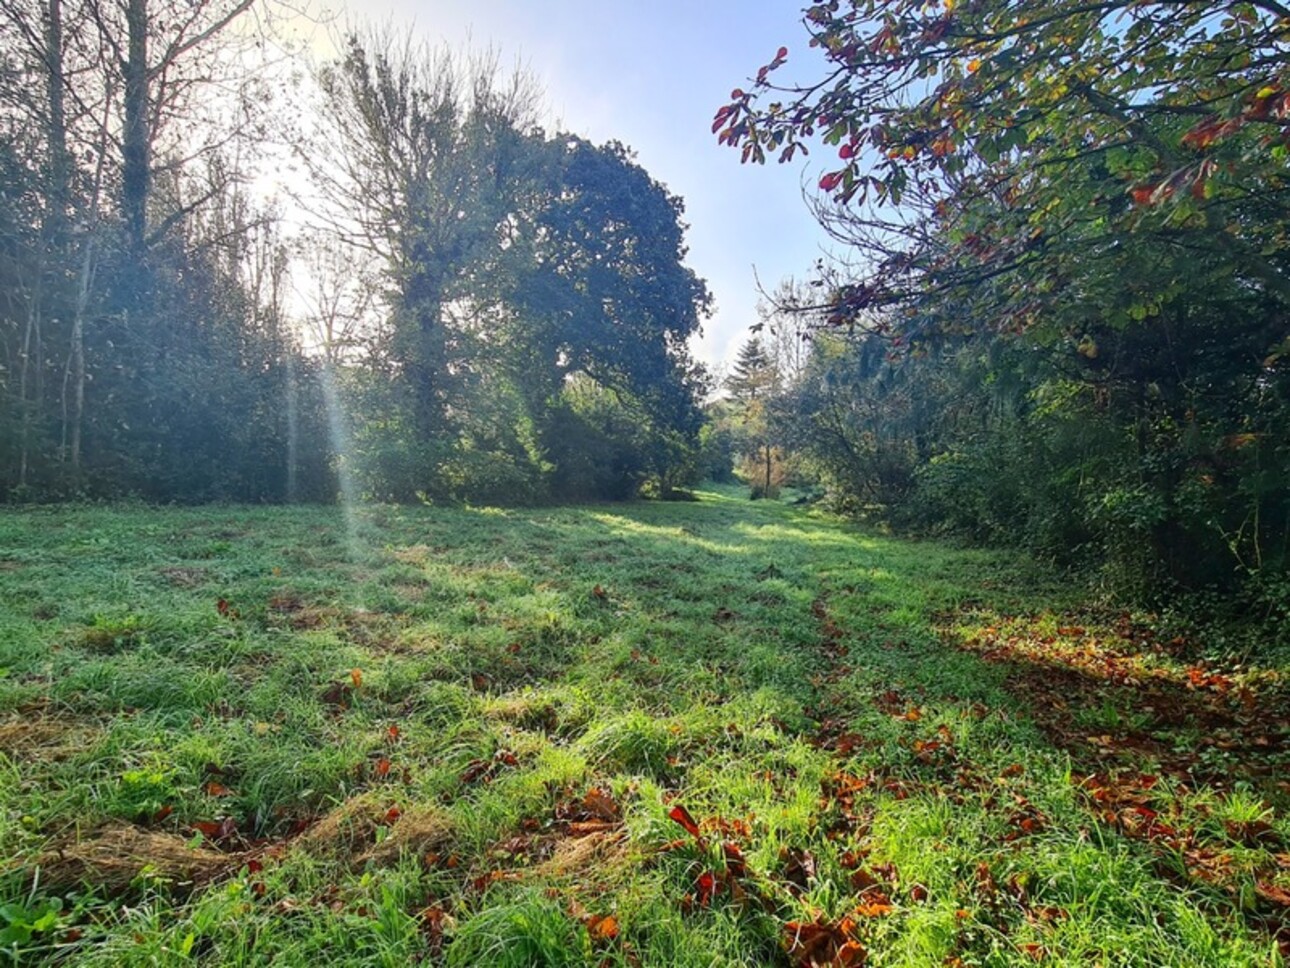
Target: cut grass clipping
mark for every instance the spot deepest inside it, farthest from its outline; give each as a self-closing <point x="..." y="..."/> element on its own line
<point x="711" y="733"/>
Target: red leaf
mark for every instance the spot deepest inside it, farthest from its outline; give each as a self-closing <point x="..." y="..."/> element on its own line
<point x="706" y="886"/>
<point x="682" y="816"/>
<point x="382" y="767"/>
<point x="393" y="814"/>
<point x="222" y="607"/>
<point x="163" y="813"/>
<point x="216" y="832"/>
<point x="392" y="734"/>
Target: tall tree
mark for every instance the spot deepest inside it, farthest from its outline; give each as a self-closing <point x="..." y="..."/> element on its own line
<point x="429" y="146"/>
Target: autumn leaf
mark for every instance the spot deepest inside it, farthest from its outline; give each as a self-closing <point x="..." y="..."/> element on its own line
<point x="601" y="805"/>
<point x="356" y="677"/>
<point x="216" y="789"/>
<point x="878" y="907"/>
<point x="602" y="928"/>
<point x="682" y="816"/>
<point x="706" y="887"/>
<point x="382" y="767"/>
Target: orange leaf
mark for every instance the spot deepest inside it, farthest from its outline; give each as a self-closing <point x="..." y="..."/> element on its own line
<point x="603" y="928"/>
<point x="215" y="789"/>
<point x="877" y="908"/>
<point x="356" y="676"/>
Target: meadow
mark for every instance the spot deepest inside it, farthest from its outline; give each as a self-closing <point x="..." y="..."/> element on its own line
<point x="703" y="733"/>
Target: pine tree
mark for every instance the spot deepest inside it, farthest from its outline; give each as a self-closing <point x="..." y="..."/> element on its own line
<point x="753" y="375"/>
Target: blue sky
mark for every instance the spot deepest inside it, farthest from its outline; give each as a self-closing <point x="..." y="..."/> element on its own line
<point x="652" y="75"/>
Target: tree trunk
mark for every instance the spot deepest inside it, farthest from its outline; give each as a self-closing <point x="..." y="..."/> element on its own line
<point x="75" y="368"/>
<point x="59" y="165"/>
<point x="136" y="138"/>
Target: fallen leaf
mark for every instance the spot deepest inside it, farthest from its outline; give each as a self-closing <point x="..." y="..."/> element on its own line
<point x="682" y="816"/>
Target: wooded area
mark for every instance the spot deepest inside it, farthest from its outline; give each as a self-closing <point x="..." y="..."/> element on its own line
<point x="1063" y="324"/>
<point x="496" y="311"/>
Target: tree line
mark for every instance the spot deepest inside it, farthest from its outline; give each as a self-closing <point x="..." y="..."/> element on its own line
<point x="1063" y="321"/>
<point x="493" y="310"/>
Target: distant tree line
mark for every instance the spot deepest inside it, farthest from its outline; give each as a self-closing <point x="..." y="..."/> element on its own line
<point x="1065" y="319"/>
<point x="486" y="310"/>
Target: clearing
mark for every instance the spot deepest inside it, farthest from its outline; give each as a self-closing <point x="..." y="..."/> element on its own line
<point x="710" y="733"/>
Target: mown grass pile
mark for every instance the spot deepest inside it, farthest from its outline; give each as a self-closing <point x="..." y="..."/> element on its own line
<point x="708" y="733"/>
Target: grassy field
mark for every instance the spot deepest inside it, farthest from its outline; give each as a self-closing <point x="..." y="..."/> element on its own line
<point x="710" y="733"/>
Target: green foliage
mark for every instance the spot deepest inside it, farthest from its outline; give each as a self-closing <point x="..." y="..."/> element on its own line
<point x="1073" y="227"/>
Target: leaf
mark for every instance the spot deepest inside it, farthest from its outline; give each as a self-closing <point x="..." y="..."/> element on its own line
<point x="356" y="677"/>
<point x="682" y="816"/>
<point x="602" y="928"/>
<point x="706" y="887"/>
<point x="601" y="805"/>
<point x="879" y="907"/>
<point x="1273" y="893"/>
<point x="216" y="789"/>
<point x="217" y="831"/>
<point x="382" y="767"/>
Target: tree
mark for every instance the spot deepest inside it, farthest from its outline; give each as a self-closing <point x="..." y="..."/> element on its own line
<point x="515" y="264"/>
<point x="754" y="384"/>
<point x="1066" y="316"/>
<point x="992" y="144"/>
<point x="428" y="148"/>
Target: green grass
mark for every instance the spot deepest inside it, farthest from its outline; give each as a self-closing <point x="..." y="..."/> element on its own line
<point x="230" y="736"/>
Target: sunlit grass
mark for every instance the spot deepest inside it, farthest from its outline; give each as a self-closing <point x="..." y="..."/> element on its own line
<point x="404" y="738"/>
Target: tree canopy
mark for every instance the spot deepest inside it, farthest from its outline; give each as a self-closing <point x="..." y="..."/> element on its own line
<point x="994" y="141"/>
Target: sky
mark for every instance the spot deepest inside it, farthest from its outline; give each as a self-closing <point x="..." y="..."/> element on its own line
<point x="652" y="75"/>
